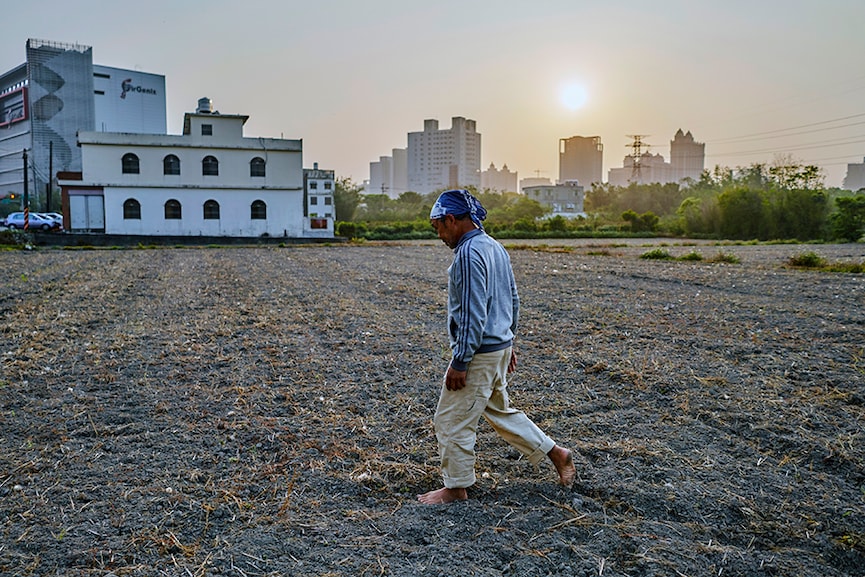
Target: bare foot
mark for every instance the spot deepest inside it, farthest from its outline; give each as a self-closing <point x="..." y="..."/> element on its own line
<point x="563" y="459"/>
<point x="442" y="496"/>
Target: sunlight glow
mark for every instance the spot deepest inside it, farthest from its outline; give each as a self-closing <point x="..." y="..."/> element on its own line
<point x="573" y="96"/>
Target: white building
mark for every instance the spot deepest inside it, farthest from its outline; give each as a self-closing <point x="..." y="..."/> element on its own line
<point x="128" y="101"/>
<point x="55" y="94"/>
<point x="499" y="180"/>
<point x="645" y="169"/>
<point x="209" y="181"/>
<point x="855" y="177"/>
<point x="319" y="210"/>
<point x="441" y="159"/>
<point x="565" y="199"/>
<point x="687" y="159"/>
<point x="388" y="175"/>
<point x="581" y="158"/>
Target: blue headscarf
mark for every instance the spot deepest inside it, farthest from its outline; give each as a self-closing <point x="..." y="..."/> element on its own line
<point x="458" y="202"/>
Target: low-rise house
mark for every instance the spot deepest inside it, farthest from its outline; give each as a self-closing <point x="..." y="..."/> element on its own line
<point x="209" y="181"/>
<point x="565" y="199"/>
<point x="319" y="208"/>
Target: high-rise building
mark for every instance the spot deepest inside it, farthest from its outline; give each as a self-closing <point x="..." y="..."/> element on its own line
<point x="441" y="159"/>
<point x="855" y="178"/>
<point x="581" y="158"/>
<point x="399" y="172"/>
<point x="499" y="180"/>
<point x="55" y="94"/>
<point x="388" y="175"/>
<point x="642" y="167"/>
<point x="687" y="157"/>
<point x="380" y="176"/>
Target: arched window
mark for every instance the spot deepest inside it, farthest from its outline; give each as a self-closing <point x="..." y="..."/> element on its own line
<point x="258" y="210"/>
<point x="210" y="166"/>
<point x="130" y="164"/>
<point x="131" y="209"/>
<point x="172" y="210"/>
<point x="211" y="210"/>
<point x="256" y="167"/>
<point x="170" y="165"/>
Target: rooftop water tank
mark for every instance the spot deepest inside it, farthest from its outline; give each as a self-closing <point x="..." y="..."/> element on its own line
<point x="205" y="106"/>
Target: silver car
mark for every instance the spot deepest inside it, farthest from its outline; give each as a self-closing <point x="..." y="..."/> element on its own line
<point x="37" y="221"/>
<point x="55" y="216"/>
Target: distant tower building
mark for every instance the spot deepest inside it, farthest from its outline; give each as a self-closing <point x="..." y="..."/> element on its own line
<point x="855" y="179"/>
<point x="687" y="157"/>
<point x="439" y="159"/>
<point x="643" y="169"/>
<point x="581" y="158"/>
<point x="380" y="176"/>
<point x="388" y="175"/>
<point x="399" y="175"/>
<point x="496" y="180"/>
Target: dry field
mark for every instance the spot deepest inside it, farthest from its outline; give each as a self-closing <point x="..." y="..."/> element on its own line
<point x="260" y="411"/>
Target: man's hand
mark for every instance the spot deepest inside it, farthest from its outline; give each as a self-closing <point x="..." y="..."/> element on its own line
<point x="455" y="380"/>
<point x="512" y="365"/>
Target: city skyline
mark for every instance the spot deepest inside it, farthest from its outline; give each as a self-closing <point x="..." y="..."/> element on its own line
<point x="352" y="80"/>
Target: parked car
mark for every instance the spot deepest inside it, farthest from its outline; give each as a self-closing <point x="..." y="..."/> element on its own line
<point x="55" y="216"/>
<point x="37" y="222"/>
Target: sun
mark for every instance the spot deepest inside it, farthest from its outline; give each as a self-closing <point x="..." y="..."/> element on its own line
<point x="574" y="96"/>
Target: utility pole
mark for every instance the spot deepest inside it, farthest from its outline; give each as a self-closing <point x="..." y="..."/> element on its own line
<point x="26" y="195"/>
<point x="50" y="182"/>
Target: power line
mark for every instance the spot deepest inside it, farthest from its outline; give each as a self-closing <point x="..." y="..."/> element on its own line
<point x="758" y="138"/>
<point x="781" y="130"/>
<point x="822" y="144"/>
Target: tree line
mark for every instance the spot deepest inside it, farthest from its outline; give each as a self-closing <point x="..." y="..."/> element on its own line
<point x="781" y="201"/>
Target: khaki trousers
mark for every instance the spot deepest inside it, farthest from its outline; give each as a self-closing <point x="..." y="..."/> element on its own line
<point x="458" y="414"/>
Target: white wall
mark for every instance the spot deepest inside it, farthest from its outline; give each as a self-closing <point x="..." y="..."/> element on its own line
<point x="129" y="100"/>
<point x="281" y="189"/>
<point x="284" y="212"/>
<point x="103" y="164"/>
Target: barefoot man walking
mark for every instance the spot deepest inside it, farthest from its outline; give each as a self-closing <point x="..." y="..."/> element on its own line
<point x="483" y="307"/>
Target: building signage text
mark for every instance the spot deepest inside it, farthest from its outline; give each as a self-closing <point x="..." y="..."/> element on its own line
<point x="127" y="86"/>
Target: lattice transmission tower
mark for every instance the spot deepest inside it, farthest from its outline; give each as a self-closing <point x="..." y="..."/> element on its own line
<point x="637" y="147"/>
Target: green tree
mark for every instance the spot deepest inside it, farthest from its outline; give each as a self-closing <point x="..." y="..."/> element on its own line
<point x="558" y="223"/>
<point x="511" y="208"/>
<point x="601" y="198"/>
<point x="699" y="216"/>
<point x="690" y="214"/>
<point x="788" y="173"/>
<point x="376" y="208"/>
<point x="526" y="208"/>
<point x="410" y="206"/>
<point x="849" y="222"/>
<point x="646" y="222"/>
<point x="742" y="212"/>
<point x="797" y="213"/>
<point x="346" y="198"/>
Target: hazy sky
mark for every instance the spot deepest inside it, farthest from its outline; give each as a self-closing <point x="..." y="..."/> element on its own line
<point x="750" y="78"/>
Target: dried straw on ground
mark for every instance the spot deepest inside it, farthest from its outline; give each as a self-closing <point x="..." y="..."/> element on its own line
<point x="266" y="411"/>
